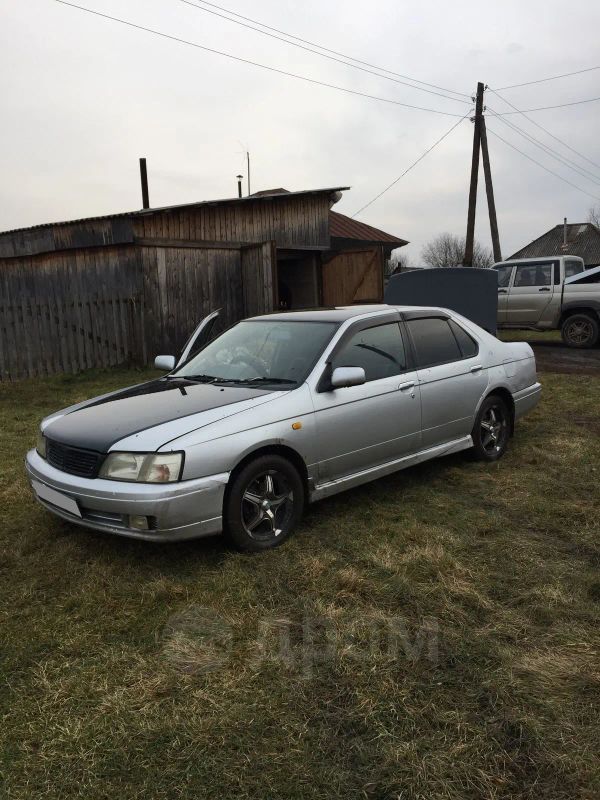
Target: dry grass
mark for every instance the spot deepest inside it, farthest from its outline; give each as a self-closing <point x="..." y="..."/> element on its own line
<point x="431" y="635"/>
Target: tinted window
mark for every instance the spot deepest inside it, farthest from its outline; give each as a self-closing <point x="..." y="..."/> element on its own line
<point x="434" y="341"/>
<point x="573" y="267"/>
<point x="503" y="275"/>
<point x="533" y="275"/>
<point x="379" y="351"/>
<point x="468" y="346"/>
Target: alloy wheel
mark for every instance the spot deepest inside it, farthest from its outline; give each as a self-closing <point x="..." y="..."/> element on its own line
<point x="493" y="429"/>
<point x="267" y="506"/>
<point x="579" y="332"/>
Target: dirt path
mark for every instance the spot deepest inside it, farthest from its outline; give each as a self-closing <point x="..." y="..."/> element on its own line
<point x="555" y="357"/>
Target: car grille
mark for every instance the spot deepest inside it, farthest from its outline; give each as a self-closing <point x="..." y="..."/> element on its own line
<point x="84" y="463"/>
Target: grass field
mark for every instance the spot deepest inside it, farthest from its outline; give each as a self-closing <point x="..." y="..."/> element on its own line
<point x="550" y="337"/>
<point x="432" y="635"/>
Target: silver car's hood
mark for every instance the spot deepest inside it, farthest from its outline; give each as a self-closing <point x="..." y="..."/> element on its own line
<point x="161" y="406"/>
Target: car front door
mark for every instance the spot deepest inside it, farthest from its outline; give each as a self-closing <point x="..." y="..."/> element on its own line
<point x="504" y="274"/>
<point x="359" y="427"/>
<point x="452" y="376"/>
<point x="531" y="291"/>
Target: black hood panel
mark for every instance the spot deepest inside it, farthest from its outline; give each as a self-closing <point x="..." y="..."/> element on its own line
<point x="102" y="423"/>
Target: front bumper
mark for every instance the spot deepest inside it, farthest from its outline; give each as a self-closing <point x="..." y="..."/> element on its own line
<point x="182" y="510"/>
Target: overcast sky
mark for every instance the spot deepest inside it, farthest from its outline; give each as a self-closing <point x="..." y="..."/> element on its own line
<point x="84" y="97"/>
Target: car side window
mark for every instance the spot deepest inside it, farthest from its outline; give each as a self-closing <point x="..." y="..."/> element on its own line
<point x="572" y="267"/>
<point x="533" y="275"/>
<point x="379" y="351"/>
<point x="468" y="346"/>
<point x="504" y="274"/>
<point x="434" y="341"/>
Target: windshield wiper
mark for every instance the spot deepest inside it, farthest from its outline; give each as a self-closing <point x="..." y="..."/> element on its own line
<point x="247" y="381"/>
<point x="193" y="378"/>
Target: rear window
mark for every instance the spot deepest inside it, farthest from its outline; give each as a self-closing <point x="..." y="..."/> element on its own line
<point x="573" y="267"/>
<point x="434" y="341"/>
<point x="467" y="344"/>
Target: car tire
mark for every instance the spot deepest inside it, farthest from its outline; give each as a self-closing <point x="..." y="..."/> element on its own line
<point x="263" y="504"/>
<point x="580" y="330"/>
<point x="491" y="431"/>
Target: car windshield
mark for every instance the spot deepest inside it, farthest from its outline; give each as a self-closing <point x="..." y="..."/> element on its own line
<point x="260" y="352"/>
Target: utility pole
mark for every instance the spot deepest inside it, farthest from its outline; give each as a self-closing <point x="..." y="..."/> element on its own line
<point x="480" y="142"/>
<point x="468" y="258"/>
<point x="248" y="162"/>
<point x="489" y="190"/>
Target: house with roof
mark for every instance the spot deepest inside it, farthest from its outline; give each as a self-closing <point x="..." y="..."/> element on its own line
<point x="121" y="288"/>
<point x="569" y="239"/>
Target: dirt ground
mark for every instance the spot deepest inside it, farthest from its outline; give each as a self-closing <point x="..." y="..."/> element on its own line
<point x="555" y="357"/>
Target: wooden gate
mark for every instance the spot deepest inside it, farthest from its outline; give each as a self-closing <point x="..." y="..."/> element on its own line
<point x="355" y="276"/>
<point x="259" y="278"/>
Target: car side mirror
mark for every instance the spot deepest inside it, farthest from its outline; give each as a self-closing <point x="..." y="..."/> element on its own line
<point x="165" y="363"/>
<point x="347" y="376"/>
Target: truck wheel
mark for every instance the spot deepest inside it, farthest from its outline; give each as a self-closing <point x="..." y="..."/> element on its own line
<point x="264" y="503"/>
<point x="580" y="330"/>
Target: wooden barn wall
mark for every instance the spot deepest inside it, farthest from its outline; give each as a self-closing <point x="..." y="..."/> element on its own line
<point x="65" y="312"/>
<point x="183" y="285"/>
<point x="259" y="278"/>
<point x="72" y="235"/>
<point x="354" y="276"/>
<point x="293" y="222"/>
<point x="99" y="307"/>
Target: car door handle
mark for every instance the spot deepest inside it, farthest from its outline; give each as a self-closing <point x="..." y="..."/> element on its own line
<point x="544" y="289"/>
<point x="502" y="291"/>
<point x="407" y="387"/>
<point x="476" y="368"/>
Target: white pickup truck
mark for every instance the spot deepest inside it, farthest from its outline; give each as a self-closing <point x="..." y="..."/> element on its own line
<point x="552" y="293"/>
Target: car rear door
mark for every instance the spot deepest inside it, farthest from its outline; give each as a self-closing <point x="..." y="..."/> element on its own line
<point x="531" y="291"/>
<point x="452" y="376"/>
<point x="359" y="427"/>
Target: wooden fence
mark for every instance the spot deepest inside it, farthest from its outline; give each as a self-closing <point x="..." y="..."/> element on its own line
<point x="121" y="304"/>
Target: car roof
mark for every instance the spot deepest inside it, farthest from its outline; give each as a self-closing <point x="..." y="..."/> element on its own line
<point x="339" y="313"/>
<point x="537" y="260"/>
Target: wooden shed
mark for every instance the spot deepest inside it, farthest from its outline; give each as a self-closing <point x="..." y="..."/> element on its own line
<point x="119" y="289"/>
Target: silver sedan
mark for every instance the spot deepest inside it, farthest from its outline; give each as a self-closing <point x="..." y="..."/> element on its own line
<point x="277" y="411"/>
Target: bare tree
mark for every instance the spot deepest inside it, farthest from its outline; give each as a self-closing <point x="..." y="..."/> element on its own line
<point x="448" y="250"/>
<point x="398" y="262"/>
<point x="594" y="216"/>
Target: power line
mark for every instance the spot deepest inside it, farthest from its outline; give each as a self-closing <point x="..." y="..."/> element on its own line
<point x="326" y="49"/>
<point x="542" y="108"/>
<point x="253" y="63"/>
<point x="556" y="175"/>
<point x="316" y="52"/>
<point x="545" y="80"/>
<point x="546" y="131"/>
<point x="414" y="164"/>
<point x="582" y="172"/>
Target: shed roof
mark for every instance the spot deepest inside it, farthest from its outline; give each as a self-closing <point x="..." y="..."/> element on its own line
<point x="253" y="198"/>
<point x="583" y="240"/>
<point x="343" y="227"/>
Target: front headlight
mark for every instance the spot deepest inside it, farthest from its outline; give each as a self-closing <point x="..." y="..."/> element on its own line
<point x="40" y="445"/>
<point x="142" y="467"/>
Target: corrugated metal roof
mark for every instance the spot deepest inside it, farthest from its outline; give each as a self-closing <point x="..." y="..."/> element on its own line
<point x="583" y="240"/>
<point x="343" y="227"/>
<point x="258" y="197"/>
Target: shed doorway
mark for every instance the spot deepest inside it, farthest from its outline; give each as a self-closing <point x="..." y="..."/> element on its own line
<point x="298" y="279"/>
